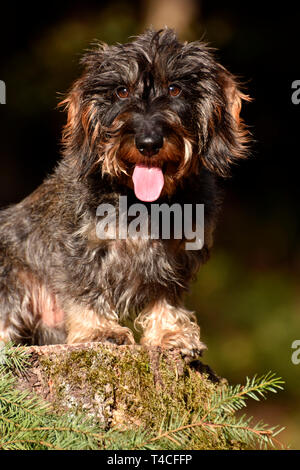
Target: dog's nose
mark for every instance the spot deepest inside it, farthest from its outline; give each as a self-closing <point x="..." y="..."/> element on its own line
<point x="149" y="145"/>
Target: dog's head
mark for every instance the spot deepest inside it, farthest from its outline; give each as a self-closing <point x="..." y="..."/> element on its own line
<point x="152" y="111"/>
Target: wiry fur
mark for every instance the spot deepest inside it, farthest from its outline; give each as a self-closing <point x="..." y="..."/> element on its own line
<point x="58" y="281"/>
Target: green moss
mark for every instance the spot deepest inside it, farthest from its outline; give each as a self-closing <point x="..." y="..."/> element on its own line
<point x="116" y="386"/>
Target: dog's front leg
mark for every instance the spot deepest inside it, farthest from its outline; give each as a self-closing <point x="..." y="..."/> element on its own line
<point x="170" y="327"/>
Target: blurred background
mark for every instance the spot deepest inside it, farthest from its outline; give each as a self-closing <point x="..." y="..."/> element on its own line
<point x="247" y="297"/>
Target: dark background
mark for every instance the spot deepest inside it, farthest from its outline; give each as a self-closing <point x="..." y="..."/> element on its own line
<point x="247" y="297"/>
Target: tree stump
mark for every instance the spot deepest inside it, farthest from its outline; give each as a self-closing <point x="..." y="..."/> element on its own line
<point x="117" y="385"/>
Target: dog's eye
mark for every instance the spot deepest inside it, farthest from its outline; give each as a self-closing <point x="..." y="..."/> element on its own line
<point x="174" y="90"/>
<point x="122" y="92"/>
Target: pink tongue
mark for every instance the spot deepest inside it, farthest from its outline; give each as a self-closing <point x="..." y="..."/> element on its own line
<point x="148" y="182"/>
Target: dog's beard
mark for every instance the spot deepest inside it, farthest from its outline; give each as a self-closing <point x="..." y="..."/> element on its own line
<point x="149" y="177"/>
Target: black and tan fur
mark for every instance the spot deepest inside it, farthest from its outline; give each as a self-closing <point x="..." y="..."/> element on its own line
<point x="58" y="281"/>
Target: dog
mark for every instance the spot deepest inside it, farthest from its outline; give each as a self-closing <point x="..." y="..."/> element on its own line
<point x="154" y="120"/>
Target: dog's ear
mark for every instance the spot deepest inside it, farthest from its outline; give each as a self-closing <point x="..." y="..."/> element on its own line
<point x="234" y="97"/>
<point x="71" y="104"/>
<point x="228" y="135"/>
<point x="80" y="132"/>
<point x="73" y="132"/>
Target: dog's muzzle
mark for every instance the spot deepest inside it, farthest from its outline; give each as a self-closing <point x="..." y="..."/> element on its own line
<point x="148" y="181"/>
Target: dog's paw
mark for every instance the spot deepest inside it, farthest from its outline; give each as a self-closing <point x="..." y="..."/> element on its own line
<point x="119" y="336"/>
<point x="193" y="353"/>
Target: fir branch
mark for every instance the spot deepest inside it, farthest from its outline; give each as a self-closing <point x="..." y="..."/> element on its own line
<point x="222" y="405"/>
<point x="233" y="398"/>
<point x="236" y="430"/>
<point x="13" y="357"/>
